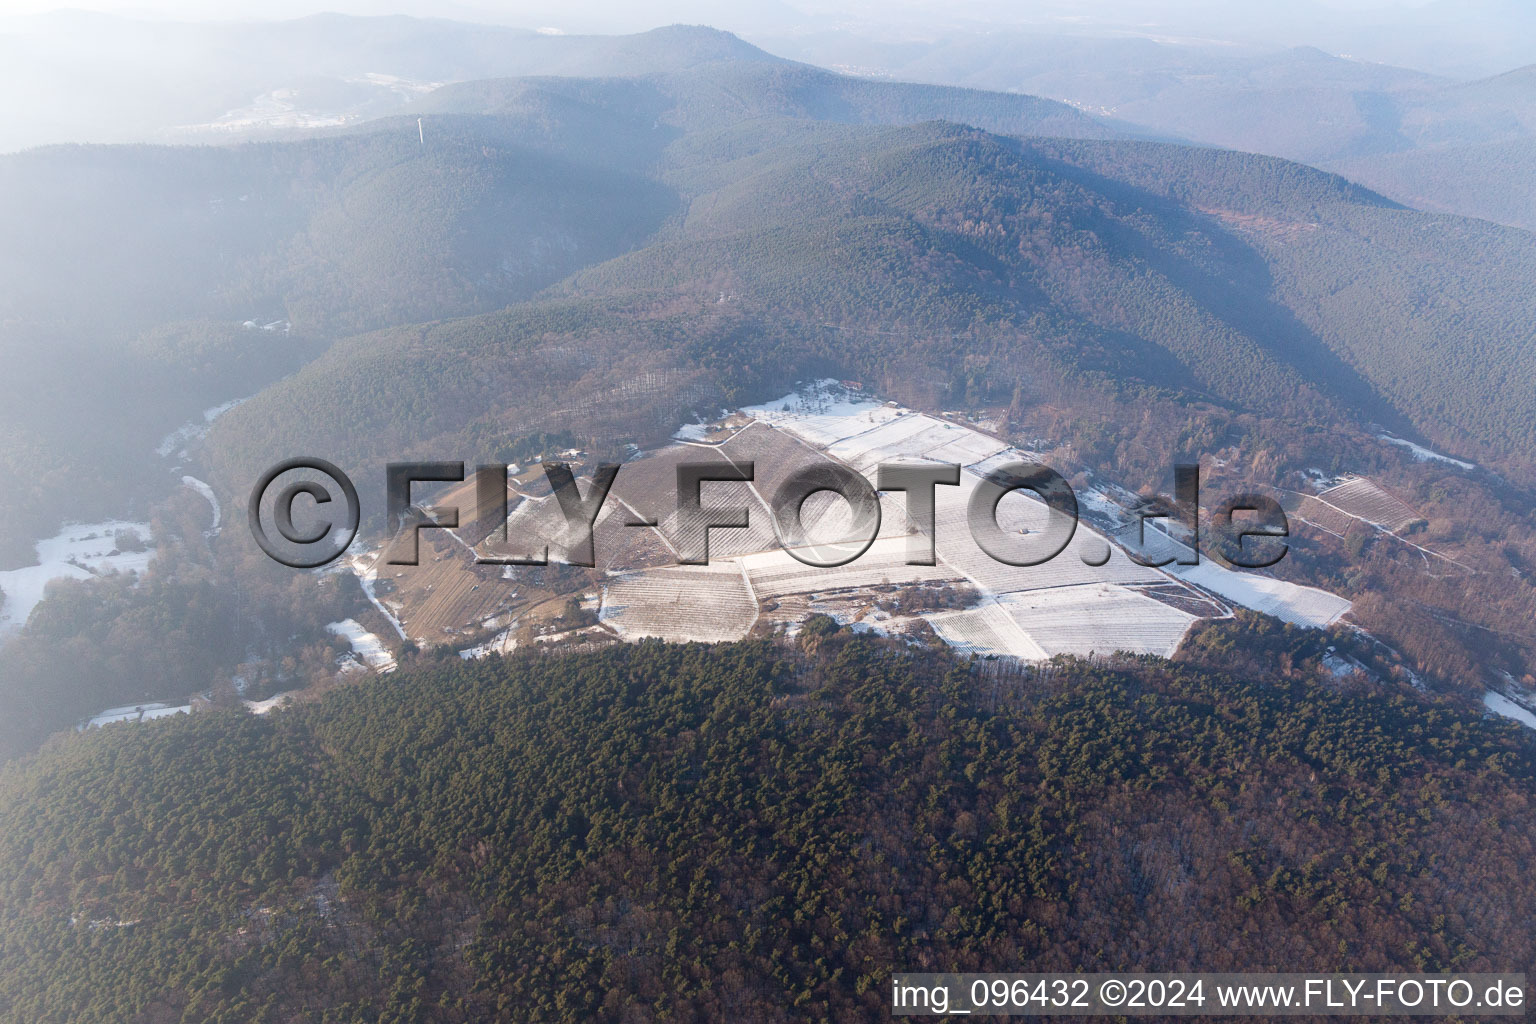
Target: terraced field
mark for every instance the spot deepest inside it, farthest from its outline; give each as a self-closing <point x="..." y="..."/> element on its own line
<point x="986" y="631"/>
<point x="649" y="485"/>
<point x="707" y="603"/>
<point x="1090" y="598"/>
<point x="828" y="520"/>
<point x="916" y="436"/>
<point x="1021" y="517"/>
<point x="1319" y="513"/>
<point x="1098" y="617"/>
<point x="620" y="548"/>
<point x="1365" y="500"/>
<point x="776" y="454"/>
<point x="447" y="595"/>
<point x="777" y="573"/>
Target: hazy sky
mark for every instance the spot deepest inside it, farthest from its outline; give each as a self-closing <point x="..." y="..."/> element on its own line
<point x="1460" y="38"/>
<point x="649" y="10"/>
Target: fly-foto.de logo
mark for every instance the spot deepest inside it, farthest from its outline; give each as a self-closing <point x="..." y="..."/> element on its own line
<point x="305" y="512"/>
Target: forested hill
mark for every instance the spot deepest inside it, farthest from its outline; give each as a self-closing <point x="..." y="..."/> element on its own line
<point x="138" y="280"/>
<point x="721" y="94"/>
<point x="951" y="267"/>
<point x="335" y="235"/>
<point x="755" y="833"/>
<point x="1432" y="310"/>
<point x="702" y="235"/>
<point x="1465" y="147"/>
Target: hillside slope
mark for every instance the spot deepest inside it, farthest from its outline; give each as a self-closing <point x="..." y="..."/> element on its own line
<point x="793" y="219"/>
<point x="662" y="832"/>
<point x="1430" y="310"/>
<point x="949" y="266"/>
<point x="112" y="249"/>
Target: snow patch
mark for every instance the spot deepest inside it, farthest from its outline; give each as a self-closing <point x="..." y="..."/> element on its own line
<point x="137" y="713"/>
<point x="501" y="643"/>
<point x="179" y="440"/>
<point x="367" y="646"/>
<point x="1097" y="618"/>
<point x="824" y="413"/>
<point x="75" y="552"/>
<point x="261" y="707"/>
<point x="681" y="604"/>
<point x="363" y="569"/>
<point x="1289" y="602"/>
<point x="986" y="631"/>
<point x="207" y="492"/>
<point x="1422" y="454"/>
<point x="1503" y="706"/>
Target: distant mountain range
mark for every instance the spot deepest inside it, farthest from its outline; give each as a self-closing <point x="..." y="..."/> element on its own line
<point x="1439" y="143"/>
<point x="724" y="221"/>
<point x="723" y="170"/>
<point x="100" y="78"/>
<point x="1454" y="146"/>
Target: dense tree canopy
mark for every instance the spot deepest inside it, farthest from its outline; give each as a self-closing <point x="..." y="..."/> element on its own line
<point x="751" y="832"/>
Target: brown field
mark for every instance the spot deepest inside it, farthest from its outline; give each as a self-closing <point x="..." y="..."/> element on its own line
<point x="448" y="596"/>
<point x="1365" y="500"/>
<point x="1318" y="513"/>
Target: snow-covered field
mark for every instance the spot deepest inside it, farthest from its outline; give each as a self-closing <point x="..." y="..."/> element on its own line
<point x="1291" y="602"/>
<point x="261" y="707"/>
<point x="368" y="648"/>
<point x="1021" y="517"/>
<point x="986" y="630"/>
<point x="863" y="433"/>
<point x="137" y="713"/>
<point x="776" y="573"/>
<point x="75" y="552"/>
<point x="1082" y="620"/>
<point x="1097" y="618"/>
<point x="707" y="603"/>
<point x="823" y="415"/>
